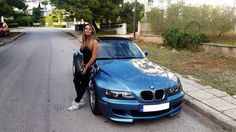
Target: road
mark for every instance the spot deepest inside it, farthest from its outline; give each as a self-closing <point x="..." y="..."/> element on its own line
<point x="36" y="88"/>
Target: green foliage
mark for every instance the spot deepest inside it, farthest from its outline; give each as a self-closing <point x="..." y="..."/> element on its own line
<point x="207" y="19"/>
<point x="126" y="14"/>
<point x="91" y="10"/>
<point x="24" y="20"/>
<point x="55" y="17"/>
<point x="5" y="9"/>
<point x="100" y="11"/>
<point x="59" y="26"/>
<point x="156" y="19"/>
<point x="13" y="25"/>
<point x="45" y="2"/>
<point x="42" y="21"/>
<point x="20" y="4"/>
<point x="49" y="20"/>
<point x="177" y="39"/>
<point x="37" y="14"/>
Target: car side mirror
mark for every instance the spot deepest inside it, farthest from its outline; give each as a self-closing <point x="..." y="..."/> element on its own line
<point x="145" y="53"/>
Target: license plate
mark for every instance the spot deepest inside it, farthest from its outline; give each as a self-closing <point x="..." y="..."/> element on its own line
<point x="158" y="107"/>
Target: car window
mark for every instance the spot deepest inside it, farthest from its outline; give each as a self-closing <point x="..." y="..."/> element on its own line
<point x="118" y="49"/>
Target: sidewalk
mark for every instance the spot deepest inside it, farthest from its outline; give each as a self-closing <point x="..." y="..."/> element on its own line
<point x="219" y="106"/>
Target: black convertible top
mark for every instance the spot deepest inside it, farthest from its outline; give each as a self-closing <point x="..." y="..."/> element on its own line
<point x="113" y="38"/>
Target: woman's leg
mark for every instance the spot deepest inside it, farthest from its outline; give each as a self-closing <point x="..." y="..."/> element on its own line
<point x="80" y="88"/>
<point x="81" y="82"/>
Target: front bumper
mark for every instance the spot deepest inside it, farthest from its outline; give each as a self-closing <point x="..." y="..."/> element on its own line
<point x="129" y="110"/>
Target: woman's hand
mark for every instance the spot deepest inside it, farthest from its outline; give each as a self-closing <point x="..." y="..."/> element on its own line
<point x="84" y="70"/>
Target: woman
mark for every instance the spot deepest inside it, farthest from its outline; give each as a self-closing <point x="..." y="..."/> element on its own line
<point x="89" y="48"/>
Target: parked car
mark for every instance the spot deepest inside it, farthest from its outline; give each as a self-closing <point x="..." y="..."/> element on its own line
<point x="127" y="86"/>
<point x="4" y="30"/>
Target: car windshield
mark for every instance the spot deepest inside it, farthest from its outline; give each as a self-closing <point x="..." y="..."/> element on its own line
<point x="118" y="49"/>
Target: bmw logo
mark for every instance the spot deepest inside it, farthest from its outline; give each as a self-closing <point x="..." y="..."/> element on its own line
<point x="151" y="87"/>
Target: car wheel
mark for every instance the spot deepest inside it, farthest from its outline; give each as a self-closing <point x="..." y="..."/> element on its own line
<point x="93" y="99"/>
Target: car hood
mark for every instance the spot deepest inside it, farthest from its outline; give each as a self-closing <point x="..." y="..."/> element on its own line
<point x="133" y="74"/>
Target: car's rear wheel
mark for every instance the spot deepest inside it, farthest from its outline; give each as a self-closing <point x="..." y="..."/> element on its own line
<point x="93" y="99"/>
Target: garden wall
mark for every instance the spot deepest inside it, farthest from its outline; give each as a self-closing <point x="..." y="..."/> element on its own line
<point x="221" y="49"/>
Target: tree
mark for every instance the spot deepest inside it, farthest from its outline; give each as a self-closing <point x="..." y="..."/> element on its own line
<point x="91" y="10"/>
<point x="126" y="14"/>
<point x="58" y="16"/>
<point x="45" y="3"/>
<point x="194" y="20"/>
<point x="8" y="5"/>
<point x="156" y="19"/>
<point x="5" y="10"/>
<point x="37" y="13"/>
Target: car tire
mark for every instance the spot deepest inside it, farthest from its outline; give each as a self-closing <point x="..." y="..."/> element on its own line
<point x="93" y="99"/>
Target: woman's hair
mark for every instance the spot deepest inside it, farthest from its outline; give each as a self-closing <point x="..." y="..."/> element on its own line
<point x="90" y="38"/>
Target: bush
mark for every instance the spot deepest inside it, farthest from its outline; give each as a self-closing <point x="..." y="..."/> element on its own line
<point x="175" y="38"/>
<point x="13" y="25"/>
<point x="42" y="21"/>
<point x="24" y="20"/>
<point x="59" y="26"/>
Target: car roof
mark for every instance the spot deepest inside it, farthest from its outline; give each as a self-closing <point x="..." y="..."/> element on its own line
<point x="113" y="38"/>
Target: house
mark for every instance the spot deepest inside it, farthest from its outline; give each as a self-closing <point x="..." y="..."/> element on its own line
<point x="46" y="9"/>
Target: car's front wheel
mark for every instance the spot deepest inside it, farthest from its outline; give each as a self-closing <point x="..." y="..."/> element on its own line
<point x="93" y="99"/>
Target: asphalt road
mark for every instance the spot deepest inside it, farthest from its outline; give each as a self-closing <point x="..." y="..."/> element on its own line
<point x="36" y="88"/>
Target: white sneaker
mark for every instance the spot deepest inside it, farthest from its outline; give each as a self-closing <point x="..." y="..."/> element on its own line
<point x="76" y="105"/>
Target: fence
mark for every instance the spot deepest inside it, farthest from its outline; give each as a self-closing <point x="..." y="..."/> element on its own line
<point x="227" y="40"/>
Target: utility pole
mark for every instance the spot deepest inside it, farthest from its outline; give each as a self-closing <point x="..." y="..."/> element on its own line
<point x="134" y="20"/>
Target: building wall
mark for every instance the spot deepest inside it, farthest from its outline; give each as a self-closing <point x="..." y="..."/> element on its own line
<point x="34" y="4"/>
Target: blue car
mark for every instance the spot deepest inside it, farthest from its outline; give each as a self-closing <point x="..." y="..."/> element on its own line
<point x="127" y="86"/>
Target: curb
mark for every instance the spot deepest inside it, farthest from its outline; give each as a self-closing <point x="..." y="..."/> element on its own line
<point x="12" y="39"/>
<point x="71" y="34"/>
<point x="74" y="36"/>
<point x="214" y="115"/>
<point x="17" y="36"/>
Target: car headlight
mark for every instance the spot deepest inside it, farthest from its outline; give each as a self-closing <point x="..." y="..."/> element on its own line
<point x="123" y="95"/>
<point x="175" y="89"/>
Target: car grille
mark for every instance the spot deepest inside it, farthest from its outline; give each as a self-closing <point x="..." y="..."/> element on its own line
<point x="147" y="95"/>
<point x="150" y="95"/>
<point x="159" y="94"/>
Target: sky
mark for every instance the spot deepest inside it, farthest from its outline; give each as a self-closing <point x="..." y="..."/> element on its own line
<point x="211" y="2"/>
<point x="198" y="2"/>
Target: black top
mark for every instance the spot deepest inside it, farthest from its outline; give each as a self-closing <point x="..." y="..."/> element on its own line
<point x="87" y="54"/>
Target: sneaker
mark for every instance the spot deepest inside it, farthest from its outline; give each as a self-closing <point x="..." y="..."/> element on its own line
<point x="76" y="105"/>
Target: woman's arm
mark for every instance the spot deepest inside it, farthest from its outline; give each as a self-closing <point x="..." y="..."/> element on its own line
<point x="94" y="56"/>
